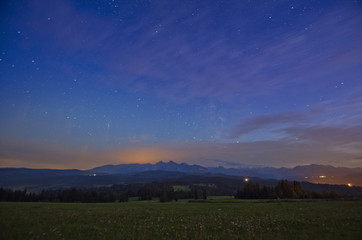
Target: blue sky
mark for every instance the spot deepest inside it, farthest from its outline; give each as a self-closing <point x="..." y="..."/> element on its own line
<point x="272" y="83"/>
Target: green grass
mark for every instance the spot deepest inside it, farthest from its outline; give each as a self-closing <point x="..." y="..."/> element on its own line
<point x="182" y="220"/>
<point x="132" y="199"/>
<point x="184" y="188"/>
<point x="222" y="198"/>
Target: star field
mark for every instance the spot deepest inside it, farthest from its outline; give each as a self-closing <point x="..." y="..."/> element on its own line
<point x="87" y="83"/>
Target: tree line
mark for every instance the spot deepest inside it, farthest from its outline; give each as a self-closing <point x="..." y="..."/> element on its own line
<point x="284" y="189"/>
<point x="121" y="193"/>
<point x="167" y="193"/>
<point x="65" y="195"/>
<point x="164" y="191"/>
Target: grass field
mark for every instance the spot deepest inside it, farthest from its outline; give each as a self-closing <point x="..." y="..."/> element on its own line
<point x="182" y="220"/>
<point x="181" y="188"/>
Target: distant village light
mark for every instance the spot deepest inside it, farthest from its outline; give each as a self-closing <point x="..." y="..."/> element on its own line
<point x="246" y="179"/>
<point x="322" y="176"/>
<point x="349" y="184"/>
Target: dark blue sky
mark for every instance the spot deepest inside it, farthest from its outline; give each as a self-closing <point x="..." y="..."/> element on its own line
<point x="87" y="83"/>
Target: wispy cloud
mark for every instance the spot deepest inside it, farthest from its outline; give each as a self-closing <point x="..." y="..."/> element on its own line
<point x="328" y="135"/>
<point x="280" y="120"/>
<point x="337" y="127"/>
<point x="344" y="110"/>
<point x="205" y="64"/>
<point x="260" y="122"/>
<point x="178" y="61"/>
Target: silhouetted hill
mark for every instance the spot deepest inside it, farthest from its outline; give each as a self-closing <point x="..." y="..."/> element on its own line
<point x="36" y="179"/>
<point x="311" y="173"/>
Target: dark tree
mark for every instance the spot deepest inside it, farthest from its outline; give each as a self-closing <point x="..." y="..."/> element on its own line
<point x="145" y="193"/>
<point x="298" y="189"/>
<point x="204" y="195"/>
<point x="196" y="194"/>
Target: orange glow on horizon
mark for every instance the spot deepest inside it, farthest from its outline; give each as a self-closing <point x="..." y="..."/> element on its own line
<point x="144" y="155"/>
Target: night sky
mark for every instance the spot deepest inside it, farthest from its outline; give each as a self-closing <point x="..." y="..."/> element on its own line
<point x="231" y="83"/>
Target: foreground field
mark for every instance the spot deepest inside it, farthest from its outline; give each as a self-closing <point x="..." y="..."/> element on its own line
<point x="182" y="220"/>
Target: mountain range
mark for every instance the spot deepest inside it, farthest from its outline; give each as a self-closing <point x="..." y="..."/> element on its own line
<point x="141" y="173"/>
<point x="311" y="173"/>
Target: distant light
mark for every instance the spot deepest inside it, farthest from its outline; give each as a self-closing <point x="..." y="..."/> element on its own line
<point x="246" y="179"/>
<point x="349" y="184"/>
<point x="322" y="176"/>
<point x="305" y="177"/>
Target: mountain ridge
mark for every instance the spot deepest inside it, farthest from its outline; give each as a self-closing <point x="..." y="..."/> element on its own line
<point x="314" y="173"/>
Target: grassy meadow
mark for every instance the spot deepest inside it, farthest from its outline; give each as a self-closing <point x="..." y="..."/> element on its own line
<point x="214" y="219"/>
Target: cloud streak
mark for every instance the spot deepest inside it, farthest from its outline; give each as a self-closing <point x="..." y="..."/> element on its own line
<point x="209" y="66"/>
<point x="180" y="62"/>
<point x="335" y="136"/>
<point x="280" y="120"/>
<point x="260" y="122"/>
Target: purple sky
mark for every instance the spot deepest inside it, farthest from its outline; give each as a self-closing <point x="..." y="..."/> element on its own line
<point x="232" y="83"/>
